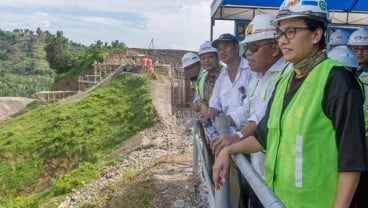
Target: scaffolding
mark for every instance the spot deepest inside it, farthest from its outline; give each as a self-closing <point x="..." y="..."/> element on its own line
<point x="180" y="95"/>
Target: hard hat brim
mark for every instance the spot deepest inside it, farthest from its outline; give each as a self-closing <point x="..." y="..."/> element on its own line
<point x="277" y="21"/>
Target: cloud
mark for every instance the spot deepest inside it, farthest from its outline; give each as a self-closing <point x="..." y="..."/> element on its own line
<point x="179" y="24"/>
<point x="100" y="20"/>
<point x="11" y="20"/>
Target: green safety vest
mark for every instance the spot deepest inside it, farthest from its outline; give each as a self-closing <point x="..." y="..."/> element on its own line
<point x="202" y="78"/>
<point x="301" y="162"/>
<point x="363" y="78"/>
<point x="196" y="84"/>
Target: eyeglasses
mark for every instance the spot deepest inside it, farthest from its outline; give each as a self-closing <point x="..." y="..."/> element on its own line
<point x="254" y="47"/>
<point x="289" y="33"/>
<point x="357" y="49"/>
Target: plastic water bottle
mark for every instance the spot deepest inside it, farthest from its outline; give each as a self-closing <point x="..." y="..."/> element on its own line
<point x="211" y="130"/>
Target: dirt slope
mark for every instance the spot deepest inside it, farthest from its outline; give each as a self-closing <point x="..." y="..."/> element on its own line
<point x="12" y="105"/>
<point x="163" y="153"/>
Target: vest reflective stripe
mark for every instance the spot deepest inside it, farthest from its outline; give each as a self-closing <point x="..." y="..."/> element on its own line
<point x="301" y="162"/>
<point x="201" y="85"/>
<point x="200" y="82"/>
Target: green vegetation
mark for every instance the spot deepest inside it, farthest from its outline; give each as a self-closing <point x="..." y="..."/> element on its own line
<point x="51" y="149"/>
<point x="137" y="192"/>
<point x="29" y="61"/>
<point x="23" y="67"/>
<point x="23" y="85"/>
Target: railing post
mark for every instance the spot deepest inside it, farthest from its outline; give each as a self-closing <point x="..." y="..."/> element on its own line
<point x="222" y="196"/>
<point x="195" y="150"/>
<point x="206" y="178"/>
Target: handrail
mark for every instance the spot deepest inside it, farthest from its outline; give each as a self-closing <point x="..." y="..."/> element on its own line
<point x="197" y="151"/>
<point x="258" y="185"/>
<point x="207" y="177"/>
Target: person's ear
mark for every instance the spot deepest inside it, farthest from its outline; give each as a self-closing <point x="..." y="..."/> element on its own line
<point x="317" y="35"/>
<point x="276" y="51"/>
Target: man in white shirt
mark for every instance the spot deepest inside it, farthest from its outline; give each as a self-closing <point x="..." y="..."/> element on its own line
<point x="266" y="61"/>
<point x="227" y="97"/>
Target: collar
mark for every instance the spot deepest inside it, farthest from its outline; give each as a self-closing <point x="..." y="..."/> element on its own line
<point x="306" y="65"/>
<point x="243" y="63"/>
<point x="276" y="67"/>
<point x="362" y="68"/>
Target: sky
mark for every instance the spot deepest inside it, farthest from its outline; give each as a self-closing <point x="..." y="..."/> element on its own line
<point x="171" y="24"/>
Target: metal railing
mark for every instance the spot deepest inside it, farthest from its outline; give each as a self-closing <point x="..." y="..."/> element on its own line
<point x="220" y="198"/>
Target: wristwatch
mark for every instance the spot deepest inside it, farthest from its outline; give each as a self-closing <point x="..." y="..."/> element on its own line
<point x="240" y="135"/>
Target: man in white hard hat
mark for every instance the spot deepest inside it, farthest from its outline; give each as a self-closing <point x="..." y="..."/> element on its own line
<point x="313" y="129"/>
<point x="339" y="37"/>
<point x="193" y="70"/>
<point x="344" y="55"/>
<point x="212" y="66"/>
<point x="358" y="42"/>
<point x="266" y="61"/>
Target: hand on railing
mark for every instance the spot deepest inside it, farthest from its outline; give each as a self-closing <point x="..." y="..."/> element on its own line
<point x="221" y="168"/>
<point x="211" y="113"/>
<point x="219" y="142"/>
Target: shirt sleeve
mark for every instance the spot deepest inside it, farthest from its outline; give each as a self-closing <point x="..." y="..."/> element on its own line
<point x="344" y="106"/>
<point x="259" y="113"/>
<point x="261" y="131"/>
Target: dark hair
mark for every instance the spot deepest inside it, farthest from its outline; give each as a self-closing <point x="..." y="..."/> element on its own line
<point x="315" y="24"/>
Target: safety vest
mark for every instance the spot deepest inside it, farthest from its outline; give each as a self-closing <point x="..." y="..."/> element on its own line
<point x="363" y="78"/>
<point x="202" y="79"/>
<point x="301" y="162"/>
<point x="196" y="84"/>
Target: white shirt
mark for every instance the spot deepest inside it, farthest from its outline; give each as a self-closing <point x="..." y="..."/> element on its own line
<point x="259" y="93"/>
<point x="226" y="96"/>
<point x="260" y="90"/>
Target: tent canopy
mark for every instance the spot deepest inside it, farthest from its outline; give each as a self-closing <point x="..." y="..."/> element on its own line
<point x="342" y="12"/>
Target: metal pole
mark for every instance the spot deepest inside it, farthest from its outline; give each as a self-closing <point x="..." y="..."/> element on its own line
<point x="195" y="151"/>
<point x="259" y="186"/>
<point x="222" y="196"/>
<point x="207" y="179"/>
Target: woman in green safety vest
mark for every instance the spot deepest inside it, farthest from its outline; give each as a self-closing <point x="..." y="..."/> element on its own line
<point x="313" y="131"/>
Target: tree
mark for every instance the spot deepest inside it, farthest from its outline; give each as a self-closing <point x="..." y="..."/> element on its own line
<point x="38" y="31"/>
<point x="116" y="45"/>
<point x="97" y="51"/>
<point x="58" y="54"/>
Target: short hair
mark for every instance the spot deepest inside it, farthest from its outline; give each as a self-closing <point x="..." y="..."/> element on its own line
<point x="315" y="24"/>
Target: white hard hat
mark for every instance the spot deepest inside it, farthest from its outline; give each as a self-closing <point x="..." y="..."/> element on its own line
<point x="260" y="28"/>
<point x="344" y="55"/>
<point x="189" y="59"/>
<point x="206" y="47"/>
<point x="339" y="37"/>
<point x="359" y="37"/>
<point x="310" y="9"/>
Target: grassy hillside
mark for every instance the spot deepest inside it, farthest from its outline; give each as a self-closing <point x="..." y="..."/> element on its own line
<point x="48" y="151"/>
